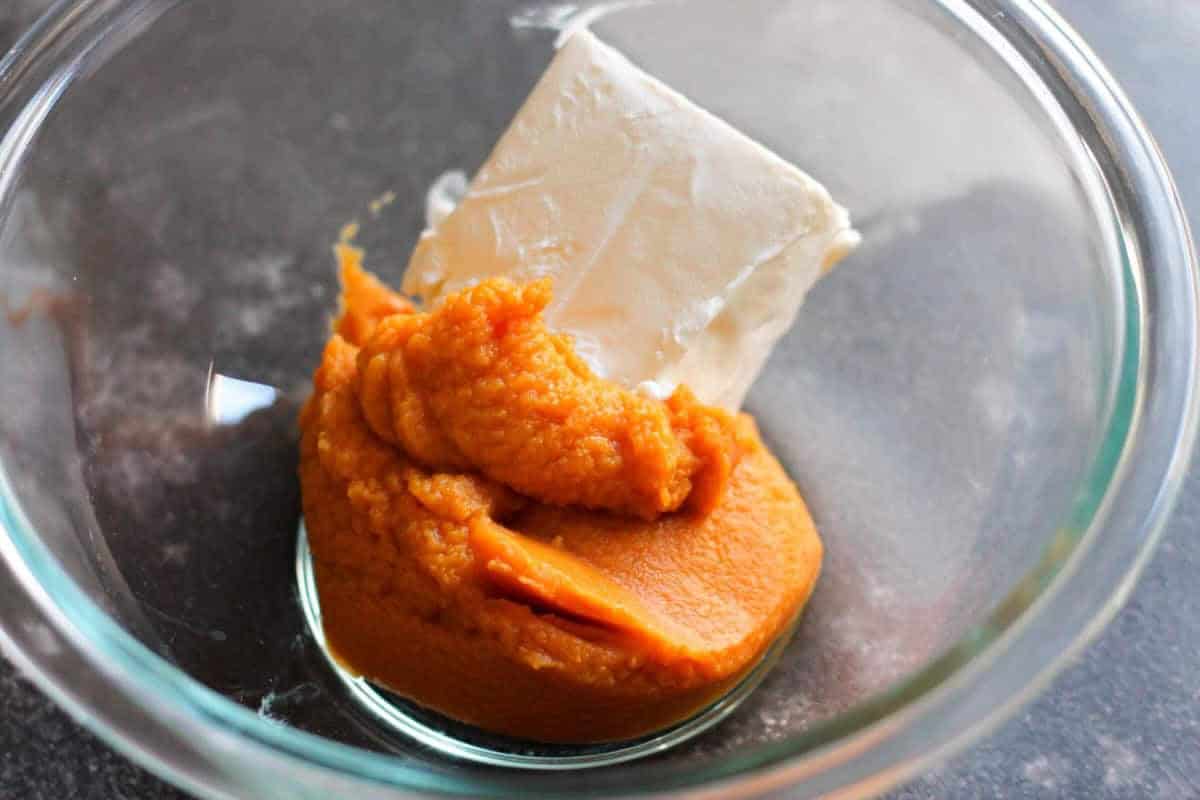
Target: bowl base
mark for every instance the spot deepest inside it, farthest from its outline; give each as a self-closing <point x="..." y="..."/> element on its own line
<point x="461" y="741"/>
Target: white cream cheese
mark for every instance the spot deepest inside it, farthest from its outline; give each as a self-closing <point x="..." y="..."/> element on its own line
<point x="680" y="248"/>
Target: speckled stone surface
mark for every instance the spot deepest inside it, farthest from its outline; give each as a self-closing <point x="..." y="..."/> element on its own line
<point x="1122" y="722"/>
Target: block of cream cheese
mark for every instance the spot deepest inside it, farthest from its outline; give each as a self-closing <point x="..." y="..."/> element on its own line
<point x="680" y="248"/>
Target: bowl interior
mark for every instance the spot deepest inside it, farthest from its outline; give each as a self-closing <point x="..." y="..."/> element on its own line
<point x="167" y="271"/>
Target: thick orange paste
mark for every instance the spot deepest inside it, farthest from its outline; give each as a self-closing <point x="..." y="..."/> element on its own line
<point x="503" y="537"/>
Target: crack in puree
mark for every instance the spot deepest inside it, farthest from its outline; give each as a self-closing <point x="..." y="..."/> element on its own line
<point x="502" y="536"/>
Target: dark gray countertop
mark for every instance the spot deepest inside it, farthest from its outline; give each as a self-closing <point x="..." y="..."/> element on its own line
<point x="1122" y="722"/>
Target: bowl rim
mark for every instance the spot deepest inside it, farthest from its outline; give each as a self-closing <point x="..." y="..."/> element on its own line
<point x="221" y="747"/>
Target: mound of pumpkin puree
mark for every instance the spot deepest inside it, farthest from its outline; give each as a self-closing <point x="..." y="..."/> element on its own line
<point x="504" y="537"/>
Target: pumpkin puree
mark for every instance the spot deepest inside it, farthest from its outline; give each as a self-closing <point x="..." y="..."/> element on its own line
<point x="502" y="536"/>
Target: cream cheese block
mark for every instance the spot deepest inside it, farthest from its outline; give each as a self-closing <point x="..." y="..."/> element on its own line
<point x="680" y="248"/>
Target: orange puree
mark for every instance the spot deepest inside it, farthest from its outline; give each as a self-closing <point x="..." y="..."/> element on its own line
<point x="506" y="538"/>
<point x="481" y="384"/>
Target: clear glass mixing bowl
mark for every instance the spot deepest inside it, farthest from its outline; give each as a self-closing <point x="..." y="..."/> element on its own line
<point x="989" y="406"/>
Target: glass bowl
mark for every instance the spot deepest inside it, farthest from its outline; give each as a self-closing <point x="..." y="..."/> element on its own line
<point x="989" y="407"/>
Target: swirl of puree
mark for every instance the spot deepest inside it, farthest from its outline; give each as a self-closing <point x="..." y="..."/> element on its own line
<point x="520" y="514"/>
